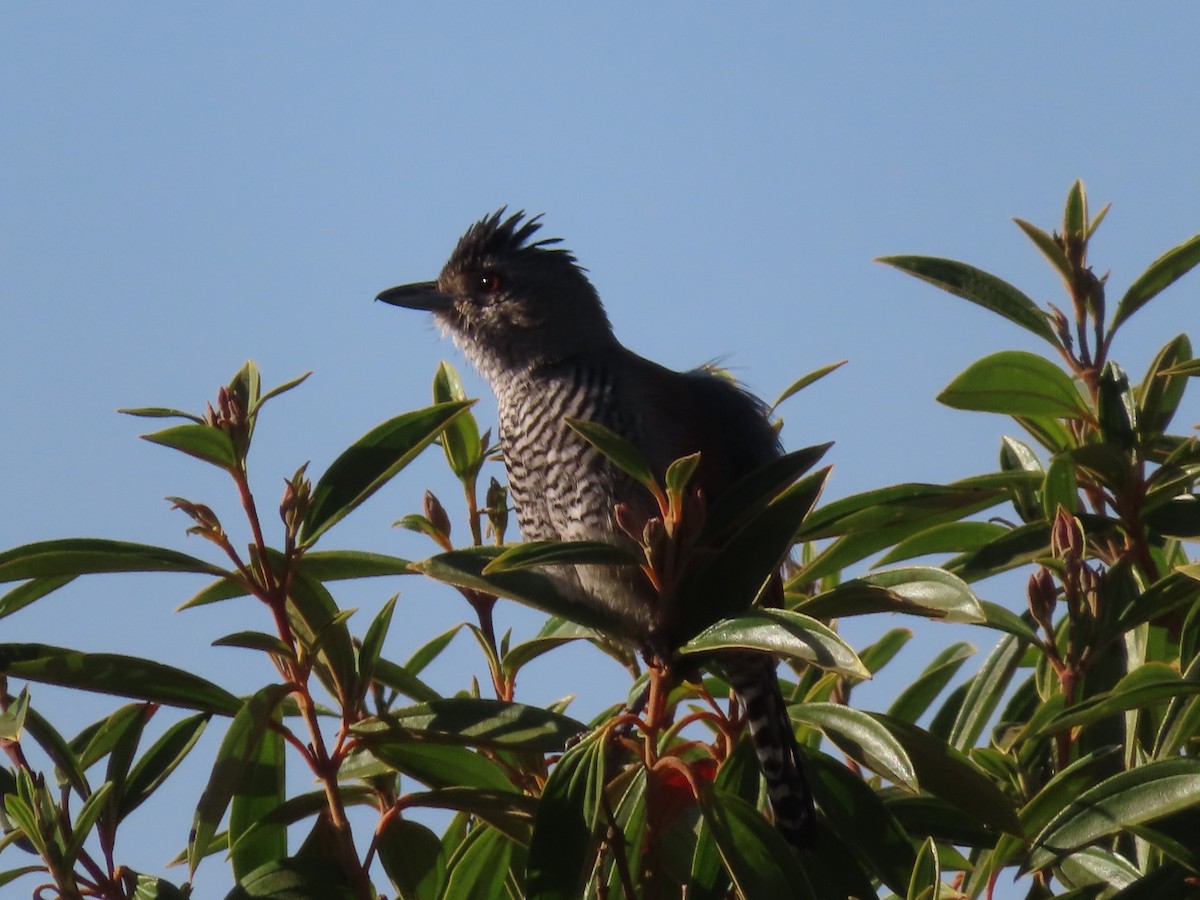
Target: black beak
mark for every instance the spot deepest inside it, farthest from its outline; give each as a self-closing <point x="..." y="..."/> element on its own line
<point x="422" y="295"/>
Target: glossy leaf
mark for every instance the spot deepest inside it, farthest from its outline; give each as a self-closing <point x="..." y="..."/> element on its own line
<point x="206" y="442"/>
<point x="1162" y="273"/>
<point x="782" y="633"/>
<point x="861" y="738"/>
<point x="1147" y="685"/>
<point x="979" y="287"/>
<point x="370" y="462"/>
<point x="985" y="691"/>
<point x="108" y="673"/>
<point x="1016" y="383"/>
<point x="926" y="874"/>
<point x="1128" y="798"/>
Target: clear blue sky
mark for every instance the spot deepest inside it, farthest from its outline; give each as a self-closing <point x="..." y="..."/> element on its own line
<point x="184" y="187"/>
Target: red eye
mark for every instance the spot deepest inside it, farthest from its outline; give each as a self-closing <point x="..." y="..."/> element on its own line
<point x="490" y="282"/>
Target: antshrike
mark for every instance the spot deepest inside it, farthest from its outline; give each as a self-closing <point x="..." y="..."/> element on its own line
<point x="527" y="317"/>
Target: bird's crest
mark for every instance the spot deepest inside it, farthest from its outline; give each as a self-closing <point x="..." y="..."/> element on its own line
<point x="495" y="236"/>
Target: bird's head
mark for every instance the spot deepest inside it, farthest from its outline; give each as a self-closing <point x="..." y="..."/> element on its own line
<point x="510" y="301"/>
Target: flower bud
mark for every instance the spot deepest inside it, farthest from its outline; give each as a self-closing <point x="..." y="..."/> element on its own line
<point x="436" y="514"/>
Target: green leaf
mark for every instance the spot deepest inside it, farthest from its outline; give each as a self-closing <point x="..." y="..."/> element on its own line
<point x="108" y="673"/>
<point x="729" y="580"/>
<point x="1128" y="798"/>
<point x="526" y="651"/>
<point x="759" y="861"/>
<point x="320" y="626"/>
<point x="160" y="761"/>
<point x="413" y="858"/>
<point x="480" y="866"/>
<point x="474" y="722"/>
<point x="913" y="701"/>
<point x="1075" y="216"/>
<point x="1160" y="392"/>
<point x="679" y="474"/>
<point x="617" y="450"/>
<point x="747" y="497"/>
<point x="1050" y="249"/>
<point x="160" y="412"/>
<point x="260" y="789"/>
<point x="295" y="879"/>
<point x="82" y="556"/>
<point x="533" y="554"/>
<point x="238" y="750"/>
<point x="861" y="738"/>
<point x="1147" y="685"/>
<point x="460" y="440"/>
<point x="926" y="874"/>
<point x="441" y="765"/>
<point x="1016" y="383"/>
<point x="1116" y="408"/>
<point x="206" y="442"/>
<point x="34" y="589"/>
<point x="256" y="640"/>
<point x="1163" y="272"/>
<point x="986" y="689"/>
<point x="1062" y="487"/>
<point x="979" y="287"/>
<point x="372" y="644"/>
<point x="801" y="383"/>
<point x="781" y="633"/>
<point x="949" y="775"/>
<point x="566" y="819"/>
<point x="370" y="462"/>
<point x="464" y="568"/>
<point x="276" y="391"/>
<point x="950" y="537"/>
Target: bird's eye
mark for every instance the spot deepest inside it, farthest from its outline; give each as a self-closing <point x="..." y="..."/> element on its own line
<point x="490" y="282"/>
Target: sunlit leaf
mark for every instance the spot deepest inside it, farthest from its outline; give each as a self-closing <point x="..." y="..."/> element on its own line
<point x="206" y="442"/>
<point x="472" y="722"/>
<point x="1161" y="273"/>
<point x="861" y="738"/>
<point x="82" y="556"/>
<point x="801" y="383"/>
<point x="370" y="462"/>
<point x="532" y="554"/>
<point x="783" y="633"/>
<point x="1016" y="383"/>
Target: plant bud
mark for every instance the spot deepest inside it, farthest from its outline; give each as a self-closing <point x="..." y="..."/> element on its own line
<point x="436" y="514"/>
<point x="1067" y="541"/>
<point x="497" y="507"/>
<point x="1043" y="595"/>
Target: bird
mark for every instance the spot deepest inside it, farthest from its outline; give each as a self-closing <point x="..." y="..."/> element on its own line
<point x="522" y="310"/>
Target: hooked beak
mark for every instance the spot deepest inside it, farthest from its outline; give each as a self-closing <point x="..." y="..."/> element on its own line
<point x="423" y="295"/>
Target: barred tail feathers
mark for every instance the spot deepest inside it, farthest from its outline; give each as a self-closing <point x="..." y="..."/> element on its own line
<point x="757" y="687"/>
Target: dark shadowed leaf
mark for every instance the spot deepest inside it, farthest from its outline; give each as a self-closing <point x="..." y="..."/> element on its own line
<point x="979" y="287"/>
<point x="370" y="462"/>
<point x="759" y="861"/>
<point x="440" y="765"/>
<point x="295" y="879"/>
<point x="951" y="537"/>
<point x="473" y="722"/>
<point x="986" y="691"/>
<point x="237" y="751"/>
<point x="413" y="858"/>
<point x="260" y="789"/>
<point x="34" y="589"/>
<point x="913" y="701"/>
<point x="83" y="556"/>
<point x="531" y="554"/>
<point x="1147" y="685"/>
<point x="159" y="761"/>
<point x="479" y="867"/>
<point x="109" y="673"/>
<point x="1159" y="393"/>
<point x="566" y="820"/>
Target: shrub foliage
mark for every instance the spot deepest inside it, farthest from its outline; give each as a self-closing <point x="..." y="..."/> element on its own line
<point x="1067" y="757"/>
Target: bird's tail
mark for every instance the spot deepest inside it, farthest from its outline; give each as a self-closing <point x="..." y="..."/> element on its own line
<point x="757" y="687"/>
